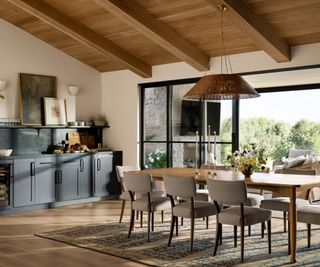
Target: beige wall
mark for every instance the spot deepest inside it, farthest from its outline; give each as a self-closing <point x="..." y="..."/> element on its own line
<point x="120" y="96"/>
<point x="20" y="52"/>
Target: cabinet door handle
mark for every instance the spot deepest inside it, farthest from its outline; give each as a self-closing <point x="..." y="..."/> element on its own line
<point x="60" y="177"/>
<point x="32" y="169"/>
<point x="99" y="164"/>
<point x="56" y="177"/>
<point x="81" y="165"/>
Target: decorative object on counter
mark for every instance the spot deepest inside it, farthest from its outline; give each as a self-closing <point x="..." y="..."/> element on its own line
<point x="9" y="122"/>
<point x="72" y="123"/>
<point x="73" y="138"/>
<point x="33" y="88"/>
<point x="81" y="123"/>
<point x="88" y="123"/>
<point x="73" y="90"/>
<point x="3" y="85"/>
<point x="99" y="120"/>
<point x="5" y="152"/>
<point x="55" y="111"/>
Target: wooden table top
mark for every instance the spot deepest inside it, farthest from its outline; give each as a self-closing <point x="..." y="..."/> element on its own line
<point x="267" y="179"/>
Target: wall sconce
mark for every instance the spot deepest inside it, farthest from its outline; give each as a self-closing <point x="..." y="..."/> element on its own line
<point x="73" y="90"/>
<point x="3" y="85"/>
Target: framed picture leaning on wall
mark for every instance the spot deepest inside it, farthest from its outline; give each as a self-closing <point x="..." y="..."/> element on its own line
<point x="55" y="111"/>
<point x="33" y="88"/>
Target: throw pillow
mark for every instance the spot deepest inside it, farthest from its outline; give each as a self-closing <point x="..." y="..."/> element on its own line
<point x="293" y="162"/>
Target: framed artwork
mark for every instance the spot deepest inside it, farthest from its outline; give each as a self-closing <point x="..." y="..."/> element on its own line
<point x="33" y="88"/>
<point x="55" y="111"/>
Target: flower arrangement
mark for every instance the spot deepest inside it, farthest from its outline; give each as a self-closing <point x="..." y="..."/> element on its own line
<point x="156" y="159"/>
<point x="248" y="159"/>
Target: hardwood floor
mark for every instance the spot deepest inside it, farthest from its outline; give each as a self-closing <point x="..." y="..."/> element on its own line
<point x="20" y="247"/>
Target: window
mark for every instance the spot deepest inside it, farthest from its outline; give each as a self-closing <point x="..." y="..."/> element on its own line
<point x="169" y="124"/>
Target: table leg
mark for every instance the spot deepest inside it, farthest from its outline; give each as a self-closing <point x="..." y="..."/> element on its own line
<point x="293" y="224"/>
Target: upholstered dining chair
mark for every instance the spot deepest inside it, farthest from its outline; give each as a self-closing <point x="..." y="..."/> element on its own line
<point x="234" y="193"/>
<point x="310" y="214"/>
<point x="139" y="187"/>
<point x="283" y="203"/>
<point x="125" y="196"/>
<point x="185" y="187"/>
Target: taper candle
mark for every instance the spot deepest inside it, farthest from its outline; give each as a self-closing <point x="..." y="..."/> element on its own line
<point x="197" y="153"/>
<point x="209" y="146"/>
<point x="215" y="145"/>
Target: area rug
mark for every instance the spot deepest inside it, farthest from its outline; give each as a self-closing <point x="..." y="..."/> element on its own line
<point x="111" y="238"/>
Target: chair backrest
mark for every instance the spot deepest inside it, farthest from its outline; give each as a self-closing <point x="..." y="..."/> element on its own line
<point x="121" y="169"/>
<point x="296" y="171"/>
<point x="227" y="192"/>
<point x="180" y="186"/>
<point x="136" y="182"/>
<point x="293" y="153"/>
<point x="314" y="195"/>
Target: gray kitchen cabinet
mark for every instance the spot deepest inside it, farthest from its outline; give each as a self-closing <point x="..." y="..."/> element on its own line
<point x="67" y="180"/>
<point x="85" y="186"/>
<point x="45" y="173"/>
<point x="23" y="182"/>
<point x="103" y="170"/>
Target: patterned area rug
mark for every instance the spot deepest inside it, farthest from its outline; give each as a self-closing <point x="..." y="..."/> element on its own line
<point x="111" y="238"/>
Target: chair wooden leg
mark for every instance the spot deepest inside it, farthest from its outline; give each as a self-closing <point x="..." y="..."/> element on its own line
<point x="149" y="215"/>
<point x="284" y="222"/>
<point x="235" y="233"/>
<point x="177" y="232"/>
<point x="220" y="234"/>
<point x="131" y="222"/>
<point x="203" y="218"/>
<point x="152" y="221"/>
<point x="191" y="234"/>
<point x="141" y="219"/>
<point x="309" y="235"/>
<point x="269" y="235"/>
<point x="249" y="230"/>
<point x="262" y="230"/>
<point x="173" y="220"/>
<point x="207" y="222"/>
<point x="122" y="210"/>
<point x="216" y="243"/>
<point x="137" y="215"/>
<point x="242" y="242"/>
<point x="162" y="216"/>
<point x="181" y="220"/>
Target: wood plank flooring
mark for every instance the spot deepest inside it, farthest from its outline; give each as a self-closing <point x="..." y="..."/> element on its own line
<point x="20" y="247"/>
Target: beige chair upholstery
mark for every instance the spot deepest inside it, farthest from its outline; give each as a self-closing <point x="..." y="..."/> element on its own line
<point x="234" y="193"/>
<point x="309" y="215"/>
<point x="185" y="187"/>
<point x="125" y="196"/>
<point x="139" y="187"/>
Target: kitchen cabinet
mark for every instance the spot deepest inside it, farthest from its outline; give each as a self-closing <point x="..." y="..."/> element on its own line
<point x="85" y="186"/>
<point x="67" y="179"/>
<point x="102" y="174"/>
<point x="23" y="182"/>
<point x="45" y="174"/>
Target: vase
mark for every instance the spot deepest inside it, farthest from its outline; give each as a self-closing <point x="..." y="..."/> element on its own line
<point x="247" y="174"/>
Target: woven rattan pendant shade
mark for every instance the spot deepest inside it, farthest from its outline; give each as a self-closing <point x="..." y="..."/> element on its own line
<point x="221" y="87"/>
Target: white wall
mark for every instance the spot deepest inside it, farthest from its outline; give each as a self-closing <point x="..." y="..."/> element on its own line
<point x="120" y="96"/>
<point x="20" y="52"/>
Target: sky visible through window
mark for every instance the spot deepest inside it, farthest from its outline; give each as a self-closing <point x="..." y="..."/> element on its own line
<point x="288" y="107"/>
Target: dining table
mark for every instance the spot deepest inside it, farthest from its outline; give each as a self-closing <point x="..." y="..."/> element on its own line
<point x="289" y="185"/>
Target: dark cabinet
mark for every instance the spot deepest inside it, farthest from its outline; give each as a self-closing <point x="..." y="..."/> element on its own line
<point x="23" y="182"/>
<point x="103" y="170"/>
<point x="85" y="186"/>
<point x="67" y="180"/>
<point x="45" y="180"/>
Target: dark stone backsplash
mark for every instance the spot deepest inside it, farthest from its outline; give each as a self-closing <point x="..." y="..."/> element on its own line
<point x="31" y="141"/>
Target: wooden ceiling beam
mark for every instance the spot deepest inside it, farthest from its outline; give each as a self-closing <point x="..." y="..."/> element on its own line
<point x="83" y="34"/>
<point x="155" y="30"/>
<point x="257" y="29"/>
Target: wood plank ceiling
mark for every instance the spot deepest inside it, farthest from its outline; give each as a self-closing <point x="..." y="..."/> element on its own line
<point x="113" y="35"/>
